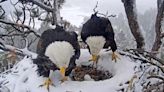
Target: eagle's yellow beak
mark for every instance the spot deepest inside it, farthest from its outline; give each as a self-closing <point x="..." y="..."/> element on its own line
<point x="94" y="58"/>
<point x="62" y="71"/>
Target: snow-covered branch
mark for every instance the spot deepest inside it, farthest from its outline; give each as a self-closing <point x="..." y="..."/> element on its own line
<point x="156" y="86"/>
<point x="142" y="56"/>
<point x="17" y="51"/>
<point x="158" y="77"/>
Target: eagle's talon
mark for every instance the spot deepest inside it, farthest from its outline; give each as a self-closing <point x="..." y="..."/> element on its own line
<point x="95" y="59"/>
<point x="114" y="57"/>
<point x="47" y="83"/>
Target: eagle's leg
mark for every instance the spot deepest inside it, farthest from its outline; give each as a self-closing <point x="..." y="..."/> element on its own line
<point x="95" y="59"/>
<point x="62" y="71"/>
<point x="114" y="56"/>
<point x="47" y="83"/>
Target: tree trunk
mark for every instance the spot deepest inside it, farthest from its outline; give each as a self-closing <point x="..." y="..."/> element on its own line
<point x="130" y="9"/>
<point x="56" y="13"/>
<point x="158" y="30"/>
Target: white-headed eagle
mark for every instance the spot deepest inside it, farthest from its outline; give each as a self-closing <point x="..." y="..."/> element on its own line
<point x="98" y="33"/>
<point x="57" y="50"/>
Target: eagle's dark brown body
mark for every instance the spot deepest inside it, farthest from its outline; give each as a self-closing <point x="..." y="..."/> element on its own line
<point x="99" y="26"/>
<point x="51" y="36"/>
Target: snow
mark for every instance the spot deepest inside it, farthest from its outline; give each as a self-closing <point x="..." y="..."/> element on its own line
<point x="23" y="76"/>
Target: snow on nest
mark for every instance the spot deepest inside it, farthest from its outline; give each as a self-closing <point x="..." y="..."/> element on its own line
<point x="23" y="77"/>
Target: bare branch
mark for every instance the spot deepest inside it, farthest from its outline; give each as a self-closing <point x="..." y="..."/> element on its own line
<point x="16" y="34"/>
<point x="10" y="35"/>
<point x="133" y="23"/>
<point x="158" y="29"/>
<point x="24" y="14"/>
<point x="158" y="77"/>
<point x="48" y="9"/>
<point x="105" y="15"/>
<point x="14" y="24"/>
<point x="149" y="54"/>
<point x="32" y="41"/>
<point x="21" y="25"/>
<point x="33" y="22"/>
<point x="135" y="54"/>
<point x="2" y="1"/>
<point x="47" y="18"/>
<point x="14" y="3"/>
<point x="112" y="16"/>
<point x="94" y="10"/>
<point x="155" y="86"/>
<point x="2" y="15"/>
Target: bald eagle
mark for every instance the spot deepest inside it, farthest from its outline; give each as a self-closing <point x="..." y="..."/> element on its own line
<point x="57" y="50"/>
<point x="98" y="33"/>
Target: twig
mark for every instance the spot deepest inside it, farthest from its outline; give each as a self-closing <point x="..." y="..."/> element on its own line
<point x="2" y="11"/>
<point x="154" y="86"/>
<point x="94" y="9"/>
<point x="13" y="3"/>
<point x="112" y="16"/>
<point x="158" y="77"/>
<point x="32" y="41"/>
<point x="106" y="15"/>
<point x="16" y="11"/>
<point x="24" y="14"/>
<point x="10" y="35"/>
<point x="21" y="25"/>
<point x="47" y="8"/>
<point x="148" y="54"/>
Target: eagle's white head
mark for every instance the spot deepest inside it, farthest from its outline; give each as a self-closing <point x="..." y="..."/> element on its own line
<point x="60" y="53"/>
<point x="95" y="43"/>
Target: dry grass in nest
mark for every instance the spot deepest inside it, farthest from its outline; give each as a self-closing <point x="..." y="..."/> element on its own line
<point x="80" y="72"/>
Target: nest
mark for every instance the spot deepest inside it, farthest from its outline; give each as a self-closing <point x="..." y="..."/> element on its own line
<point x="80" y="72"/>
